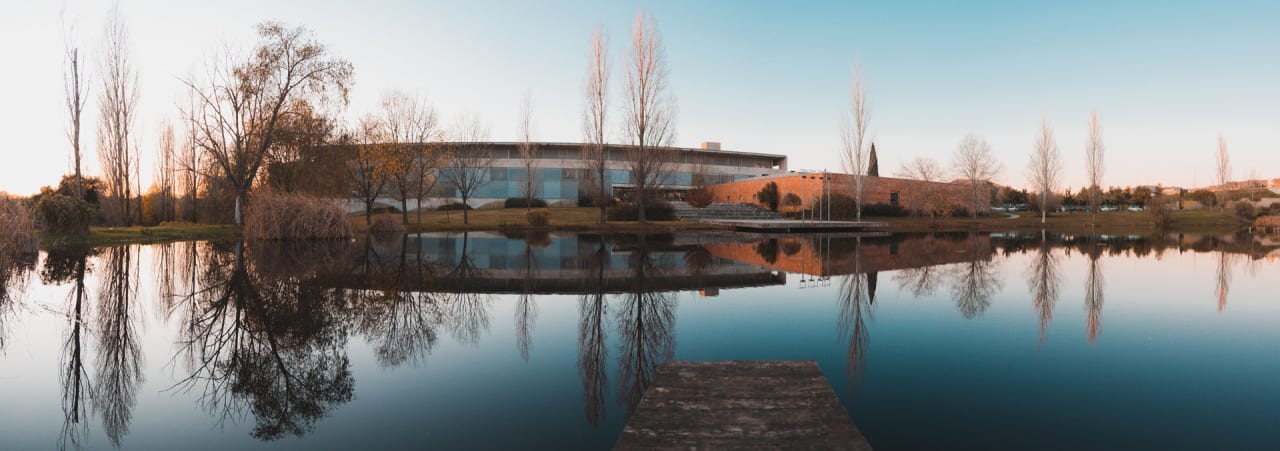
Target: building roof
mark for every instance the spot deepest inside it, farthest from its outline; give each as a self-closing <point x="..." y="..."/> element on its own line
<point x="616" y="145"/>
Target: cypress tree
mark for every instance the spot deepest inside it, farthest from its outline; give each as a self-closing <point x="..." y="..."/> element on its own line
<point x="873" y="166"/>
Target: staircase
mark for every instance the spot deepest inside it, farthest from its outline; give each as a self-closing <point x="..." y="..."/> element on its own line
<point x="722" y="210"/>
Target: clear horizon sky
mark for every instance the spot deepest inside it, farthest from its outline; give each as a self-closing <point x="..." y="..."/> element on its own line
<point x="773" y="77"/>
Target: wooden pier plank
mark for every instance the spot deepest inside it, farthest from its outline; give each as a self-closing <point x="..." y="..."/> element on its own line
<point x="741" y="405"/>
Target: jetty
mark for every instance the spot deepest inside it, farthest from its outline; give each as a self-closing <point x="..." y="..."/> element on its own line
<point x="741" y="405"/>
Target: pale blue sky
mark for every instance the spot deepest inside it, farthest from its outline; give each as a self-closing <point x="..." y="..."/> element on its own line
<point x="1166" y="77"/>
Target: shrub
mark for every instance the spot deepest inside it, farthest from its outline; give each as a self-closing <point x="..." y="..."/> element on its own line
<point x="284" y="216"/>
<point x="1244" y="210"/>
<point x="453" y="206"/>
<point x="700" y="197"/>
<point x="655" y="211"/>
<point x="17" y="231"/>
<point x="769" y="196"/>
<point x="1161" y="213"/>
<point x="537" y="218"/>
<point x="959" y="211"/>
<point x="792" y="200"/>
<point x="386" y="224"/>
<point x="65" y="214"/>
<point x="520" y="202"/>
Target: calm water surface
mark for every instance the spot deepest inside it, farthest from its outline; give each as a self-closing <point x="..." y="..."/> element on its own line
<point x="482" y="341"/>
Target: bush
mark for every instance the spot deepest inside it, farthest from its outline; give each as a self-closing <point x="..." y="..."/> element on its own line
<point x="1161" y="212"/>
<point x="17" y="231"/>
<point x="537" y="218"/>
<point x="520" y="202"/>
<point x="700" y="197"/>
<point x="386" y="224"/>
<point x="65" y="214"/>
<point x="655" y="211"/>
<point x="769" y="196"/>
<point x="284" y="216"/>
<point x="1244" y="210"/>
<point x="959" y="211"/>
<point x="451" y="206"/>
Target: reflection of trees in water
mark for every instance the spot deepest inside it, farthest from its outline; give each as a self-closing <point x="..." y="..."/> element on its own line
<point x="468" y="312"/>
<point x="1223" y="286"/>
<point x="919" y="281"/>
<point x="526" y="310"/>
<point x="69" y="265"/>
<point x="1093" y="296"/>
<point x="593" y="356"/>
<point x="855" y="296"/>
<point x="398" y="316"/>
<point x="119" y="360"/>
<point x="1042" y="282"/>
<point x="975" y="281"/>
<point x="13" y="283"/>
<point x="270" y="345"/>
<point x="646" y="326"/>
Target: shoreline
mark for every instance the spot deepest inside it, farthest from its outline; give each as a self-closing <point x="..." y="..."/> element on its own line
<point x="1185" y="221"/>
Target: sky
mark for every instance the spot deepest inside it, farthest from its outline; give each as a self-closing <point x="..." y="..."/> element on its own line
<point x="1166" y="77"/>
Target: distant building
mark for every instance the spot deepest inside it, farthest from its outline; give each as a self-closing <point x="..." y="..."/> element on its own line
<point x="808" y="187"/>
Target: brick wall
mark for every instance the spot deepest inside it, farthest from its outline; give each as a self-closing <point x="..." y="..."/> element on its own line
<point x="875" y="190"/>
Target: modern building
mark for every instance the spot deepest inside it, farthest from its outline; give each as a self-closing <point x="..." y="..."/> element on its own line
<point x="562" y="172"/>
<point x="805" y="188"/>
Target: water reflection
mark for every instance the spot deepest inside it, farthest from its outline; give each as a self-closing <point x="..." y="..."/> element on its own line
<point x="263" y="330"/>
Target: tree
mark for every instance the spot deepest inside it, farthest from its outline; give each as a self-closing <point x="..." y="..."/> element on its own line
<point x="117" y="106"/>
<point x="649" y="112"/>
<point x="873" y="163"/>
<point x="594" y="121"/>
<point x="408" y="125"/>
<point x="926" y="198"/>
<point x="467" y="170"/>
<point x="1045" y="167"/>
<point x="1094" y="151"/>
<point x="76" y="88"/>
<point x="189" y="164"/>
<point x="1224" y="170"/>
<point x="769" y="196"/>
<point x="304" y="129"/>
<point x="165" y="173"/>
<point x="977" y="166"/>
<point x="366" y="173"/>
<point x="528" y="154"/>
<point x="854" y="133"/>
<point x="240" y="104"/>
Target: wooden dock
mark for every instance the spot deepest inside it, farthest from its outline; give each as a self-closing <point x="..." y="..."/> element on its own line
<point x="741" y="405"/>
<point x="797" y="226"/>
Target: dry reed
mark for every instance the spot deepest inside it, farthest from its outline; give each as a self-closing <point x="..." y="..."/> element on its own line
<point x="286" y="216"/>
<point x="18" y="239"/>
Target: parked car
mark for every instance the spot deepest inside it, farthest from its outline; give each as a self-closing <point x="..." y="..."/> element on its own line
<point x="1135" y="208"/>
<point x="1106" y="208"/>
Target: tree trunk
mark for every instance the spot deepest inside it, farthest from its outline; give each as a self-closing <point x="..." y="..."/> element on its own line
<point x="640" y="203"/>
<point x="465" y="216"/>
<point x="368" y="213"/>
<point x="404" y="210"/>
<point x="239" y="218"/>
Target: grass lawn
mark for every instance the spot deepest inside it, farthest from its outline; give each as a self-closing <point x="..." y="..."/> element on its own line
<point x="1200" y="220"/>
<point x="169" y="231"/>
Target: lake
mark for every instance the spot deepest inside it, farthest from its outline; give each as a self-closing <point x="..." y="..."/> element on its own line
<point x="485" y="341"/>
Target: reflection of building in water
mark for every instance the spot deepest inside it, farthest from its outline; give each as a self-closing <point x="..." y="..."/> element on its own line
<point x="560" y="264"/>
<point x="827" y="256"/>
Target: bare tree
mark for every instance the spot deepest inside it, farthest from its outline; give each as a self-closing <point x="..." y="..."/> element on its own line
<point x="241" y="102"/>
<point x="165" y="172"/>
<point x="1093" y="296"/>
<point x="1224" y="170"/>
<point x="854" y="129"/>
<point x="977" y="166"/>
<point x="305" y="128"/>
<point x="594" y="121"/>
<point x="649" y="112"/>
<point x="366" y="172"/>
<point x="409" y="124"/>
<point x="1043" y="280"/>
<point x="189" y="164"/>
<point x="117" y="113"/>
<point x="528" y="154"/>
<point x="1045" y="167"/>
<point x="468" y="169"/>
<point x="1094" y="152"/>
<point x="926" y="198"/>
<point x="76" y="87"/>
